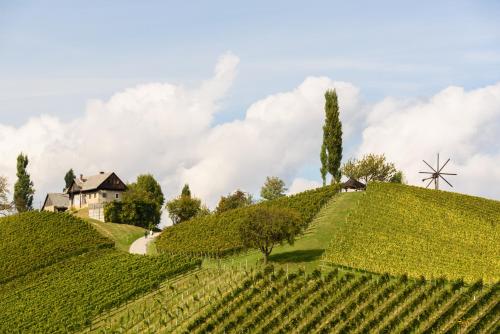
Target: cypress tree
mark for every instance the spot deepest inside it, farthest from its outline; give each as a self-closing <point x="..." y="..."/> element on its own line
<point x="331" y="149"/>
<point x="23" y="189"/>
<point x="68" y="178"/>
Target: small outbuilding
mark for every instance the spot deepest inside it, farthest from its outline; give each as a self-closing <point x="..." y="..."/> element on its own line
<point x="56" y="202"/>
<point x="353" y="184"/>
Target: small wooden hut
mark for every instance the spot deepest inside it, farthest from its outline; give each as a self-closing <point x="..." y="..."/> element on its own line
<point x="353" y="184"/>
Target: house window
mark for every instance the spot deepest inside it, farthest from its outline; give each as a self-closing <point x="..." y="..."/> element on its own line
<point x="103" y="195"/>
<point x="116" y="195"/>
<point x="95" y="195"/>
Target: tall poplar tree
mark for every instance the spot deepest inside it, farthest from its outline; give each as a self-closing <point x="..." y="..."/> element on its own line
<point x="331" y="149"/>
<point x="23" y="189"/>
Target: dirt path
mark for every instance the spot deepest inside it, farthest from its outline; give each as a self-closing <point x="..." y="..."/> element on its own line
<point x="141" y="245"/>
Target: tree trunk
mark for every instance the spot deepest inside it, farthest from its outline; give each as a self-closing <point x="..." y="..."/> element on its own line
<point x="266" y="258"/>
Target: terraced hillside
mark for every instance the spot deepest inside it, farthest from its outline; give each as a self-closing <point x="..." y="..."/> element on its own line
<point x="402" y="229"/>
<point x="34" y="240"/>
<point x="238" y="301"/>
<point x="218" y="234"/>
<point x="60" y="273"/>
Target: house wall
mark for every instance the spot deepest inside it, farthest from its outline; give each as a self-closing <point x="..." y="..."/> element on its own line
<point x="99" y="197"/>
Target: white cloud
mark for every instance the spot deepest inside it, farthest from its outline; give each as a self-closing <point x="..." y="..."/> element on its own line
<point x="168" y="130"/>
<point x="463" y="125"/>
<point x="300" y="184"/>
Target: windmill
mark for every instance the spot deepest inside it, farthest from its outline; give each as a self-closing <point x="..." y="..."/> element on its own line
<point x="436" y="174"/>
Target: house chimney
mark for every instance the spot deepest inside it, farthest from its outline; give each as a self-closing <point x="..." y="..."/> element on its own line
<point x="81" y="177"/>
<point x="101" y="172"/>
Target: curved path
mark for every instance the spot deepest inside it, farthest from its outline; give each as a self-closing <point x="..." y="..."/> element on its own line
<point x="140" y="246"/>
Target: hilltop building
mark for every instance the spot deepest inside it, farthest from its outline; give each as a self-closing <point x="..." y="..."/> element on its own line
<point x="56" y="202"/>
<point x="92" y="192"/>
<point x="353" y="185"/>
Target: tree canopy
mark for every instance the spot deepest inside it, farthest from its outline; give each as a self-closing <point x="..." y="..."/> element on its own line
<point x="331" y="148"/>
<point x="185" y="207"/>
<point x="274" y="187"/>
<point x="5" y="204"/>
<point x="236" y="200"/>
<point x="266" y="226"/>
<point x="371" y="167"/>
<point x="148" y="184"/>
<point x="23" y="189"/>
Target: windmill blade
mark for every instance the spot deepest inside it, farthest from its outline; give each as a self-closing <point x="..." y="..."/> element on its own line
<point x="440" y="169"/>
<point x="447" y="173"/>
<point x="429" y="165"/>
<point x="429" y="183"/>
<point x="437" y="162"/>
<point x="445" y="180"/>
<point x="427" y="179"/>
<point x="426" y="172"/>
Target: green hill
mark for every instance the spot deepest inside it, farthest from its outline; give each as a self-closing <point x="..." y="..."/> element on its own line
<point x="218" y="234"/>
<point x="402" y="229"/>
<point x="34" y="240"/>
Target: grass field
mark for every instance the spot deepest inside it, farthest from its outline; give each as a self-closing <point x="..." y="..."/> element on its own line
<point x="122" y="234"/>
<point x="402" y="229"/>
<point x="308" y="249"/>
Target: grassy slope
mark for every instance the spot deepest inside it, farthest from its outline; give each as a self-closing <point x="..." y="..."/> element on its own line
<point x="122" y="234"/>
<point x="307" y="251"/>
<point x="403" y="229"/>
<point x="33" y="240"/>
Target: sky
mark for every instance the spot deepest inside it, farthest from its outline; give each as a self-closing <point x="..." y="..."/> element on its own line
<point x="222" y="94"/>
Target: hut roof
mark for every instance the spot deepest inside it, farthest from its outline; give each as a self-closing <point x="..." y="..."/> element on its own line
<point x="57" y="200"/>
<point x="353" y="184"/>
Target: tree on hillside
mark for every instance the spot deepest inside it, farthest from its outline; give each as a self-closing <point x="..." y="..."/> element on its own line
<point x="236" y="200"/>
<point x="331" y="148"/>
<point x="398" y="177"/>
<point x="185" y="207"/>
<point x="5" y="204"/>
<point x="141" y="204"/>
<point x="68" y="178"/>
<point x="148" y="184"/>
<point x="23" y="189"/>
<point x="265" y="227"/>
<point x="371" y="167"/>
<point x="273" y="188"/>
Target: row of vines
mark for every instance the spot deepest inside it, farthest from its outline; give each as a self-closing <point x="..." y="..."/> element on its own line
<point x="402" y="229"/>
<point x="34" y="240"/>
<point x="249" y="301"/>
<point x="65" y="296"/>
<point x="218" y="234"/>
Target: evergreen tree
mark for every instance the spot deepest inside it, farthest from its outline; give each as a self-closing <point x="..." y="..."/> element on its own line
<point x="331" y="150"/>
<point x="23" y="189"/>
<point x="68" y="178"/>
<point x="186" y="191"/>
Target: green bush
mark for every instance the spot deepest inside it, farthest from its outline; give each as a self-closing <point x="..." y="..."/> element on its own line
<point x="34" y="240"/>
<point x="112" y="212"/>
<point x="218" y="234"/>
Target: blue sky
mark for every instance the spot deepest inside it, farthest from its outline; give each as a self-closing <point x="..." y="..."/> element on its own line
<point x="55" y="55"/>
<point x="394" y="64"/>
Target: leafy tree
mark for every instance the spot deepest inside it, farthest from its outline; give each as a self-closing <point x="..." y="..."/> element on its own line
<point x="236" y="200"/>
<point x="185" y="207"/>
<point x="147" y="183"/>
<point x="5" y="204"/>
<point x="371" y="167"/>
<point x="267" y="226"/>
<point x="186" y="191"/>
<point x="398" y="177"/>
<point x="68" y="178"/>
<point x="23" y="189"/>
<point x="331" y="149"/>
<point x="273" y="188"/>
<point x="139" y="208"/>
